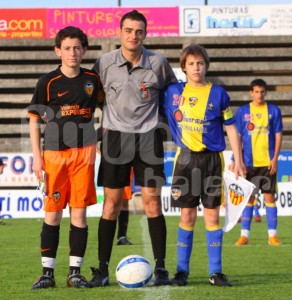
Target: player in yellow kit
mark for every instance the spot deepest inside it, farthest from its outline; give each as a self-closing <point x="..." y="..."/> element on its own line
<point x="196" y="112"/>
<point x="260" y="128"/>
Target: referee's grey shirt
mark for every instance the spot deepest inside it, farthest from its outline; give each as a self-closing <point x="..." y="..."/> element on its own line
<point x="132" y="95"/>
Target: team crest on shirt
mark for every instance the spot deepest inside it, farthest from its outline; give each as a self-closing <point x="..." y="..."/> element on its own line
<point x="193" y="101"/>
<point x="175" y="193"/>
<point x="210" y="106"/>
<point x="89" y="88"/>
<point x="236" y="194"/>
<point x="56" y="197"/>
<point x="259" y="115"/>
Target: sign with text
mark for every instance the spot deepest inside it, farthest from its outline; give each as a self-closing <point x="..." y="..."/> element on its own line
<point x="18" y="170"/>
<point x="102" y="22"/>
<point x="29" y="204"/>
<point x="285" y="166"/>
<point x="235" y="20"/>
<point x="283" y="196"/>
<point x="105" y="22"/>
<point x="23" y="23"/>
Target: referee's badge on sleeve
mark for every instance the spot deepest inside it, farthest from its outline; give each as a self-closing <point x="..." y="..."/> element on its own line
<point x="237" y="193"/>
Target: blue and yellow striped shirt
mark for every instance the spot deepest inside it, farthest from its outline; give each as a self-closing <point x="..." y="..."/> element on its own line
<point x="196" y="115"/>
<point x="258" y="126"/>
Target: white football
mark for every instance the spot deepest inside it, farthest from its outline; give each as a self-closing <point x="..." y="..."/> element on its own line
<point x="133" y="271"/>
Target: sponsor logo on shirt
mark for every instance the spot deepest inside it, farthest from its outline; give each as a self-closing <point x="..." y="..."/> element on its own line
<point x="62" y="94"/>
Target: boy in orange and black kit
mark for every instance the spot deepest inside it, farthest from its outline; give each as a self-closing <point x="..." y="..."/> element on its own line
<point x="65" y="100"/>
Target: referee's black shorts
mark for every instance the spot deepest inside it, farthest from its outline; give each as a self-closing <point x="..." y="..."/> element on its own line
<point x="120" y="151"/>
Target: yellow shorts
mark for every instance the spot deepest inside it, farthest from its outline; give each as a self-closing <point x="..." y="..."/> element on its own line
<point x="69" y="178"/>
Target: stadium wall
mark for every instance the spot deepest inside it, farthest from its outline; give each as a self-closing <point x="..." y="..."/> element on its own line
<point x="235" y="61"/>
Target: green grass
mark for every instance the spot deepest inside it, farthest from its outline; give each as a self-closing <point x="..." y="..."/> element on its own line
<point x="257" y="271"/>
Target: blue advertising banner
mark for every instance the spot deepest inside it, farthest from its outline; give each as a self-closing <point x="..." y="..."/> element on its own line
<point x="285" y="166"/>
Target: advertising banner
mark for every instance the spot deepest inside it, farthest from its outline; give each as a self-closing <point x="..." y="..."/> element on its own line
<point x="29" y="204"/>
<point x="22" y="203"/>
<point x="235" y="20"/>
<point x="105" y="22"/>
<point x="18" y="170"/>
<point x="285" y="166"/>
<point x="23" y="23"/>
<point x="283" y="196"/>
<point x="100" y="22"/>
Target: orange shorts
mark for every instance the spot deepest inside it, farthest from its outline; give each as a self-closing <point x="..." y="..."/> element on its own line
<point x="69" y="178"/>
<point x="128" y="189"/>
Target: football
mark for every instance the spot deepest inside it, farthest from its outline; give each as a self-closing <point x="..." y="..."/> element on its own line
<point x="133" y="271"/>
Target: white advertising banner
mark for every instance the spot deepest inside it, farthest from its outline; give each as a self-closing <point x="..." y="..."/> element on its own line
<point x="29" y="204"/>
<point x="235" y="20"/>
<point x="18" y="170"/>
<point x="26" y="201"/>
<point x="284" y="202"/>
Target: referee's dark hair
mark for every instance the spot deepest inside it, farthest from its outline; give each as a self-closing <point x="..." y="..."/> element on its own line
<point x="133" y="15"/>
<point x="71" y="32"/>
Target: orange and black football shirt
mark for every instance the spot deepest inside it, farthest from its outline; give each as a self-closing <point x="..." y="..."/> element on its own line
<point x="67" y="106"/>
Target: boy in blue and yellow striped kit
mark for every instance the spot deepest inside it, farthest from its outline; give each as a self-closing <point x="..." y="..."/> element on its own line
<point x="196" y="112"/>
<point x="260" y="128"/>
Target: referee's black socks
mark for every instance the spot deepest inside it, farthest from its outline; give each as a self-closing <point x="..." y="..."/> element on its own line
<point x="106" y="234"/>
<point x="157" y="231"/>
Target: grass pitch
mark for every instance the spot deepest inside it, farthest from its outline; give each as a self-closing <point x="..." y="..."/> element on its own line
<point x="257" y="271"/>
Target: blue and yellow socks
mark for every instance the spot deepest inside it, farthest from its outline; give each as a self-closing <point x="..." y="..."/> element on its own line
<point x="184" y="248"/>
<point x="272" y="218"/>
<point x="214" y="236"/>
<point x="246" y="219"/>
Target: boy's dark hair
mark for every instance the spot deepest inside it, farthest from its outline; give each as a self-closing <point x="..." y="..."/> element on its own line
<point x="133" y="15"/>
<point x="71" y="32"/>
<point x="195" y="50"/>
<point x="258" y="82"/>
